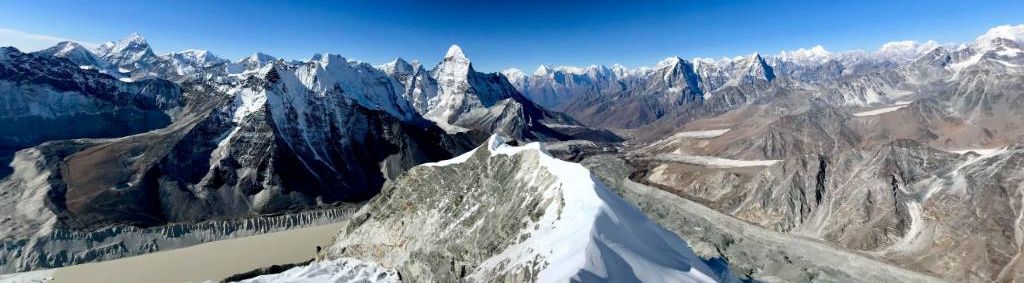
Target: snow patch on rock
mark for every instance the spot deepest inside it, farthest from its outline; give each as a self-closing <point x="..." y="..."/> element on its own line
<point x="38" y="276"/>
<point x="898" y="106"/>
<point x="706" y="134"/>
<point x="715" y="162"/>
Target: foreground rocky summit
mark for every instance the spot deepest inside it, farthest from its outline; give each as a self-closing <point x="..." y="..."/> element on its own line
<point x="514" y="213"/>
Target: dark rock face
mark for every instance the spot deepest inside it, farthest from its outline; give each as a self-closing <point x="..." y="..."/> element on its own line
<point x="208" y="166"/>
<point x="45" y="98"/>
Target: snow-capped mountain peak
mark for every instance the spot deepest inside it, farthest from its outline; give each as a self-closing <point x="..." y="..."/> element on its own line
<point x="814" y="55"/>
<point x="132" y="51"/>
<point x="192" y="61"/>
<point x="258" y="58"/>
<point x="542" y="70"/>
<point x="332" y="74"/>
<point x="750" y="69"/>
<point x="76" y="53"/>
<point x="756" y="57"/>
<point x="1014" y="33"/>
<point x="907" y="50"/>
<point x="328" y="59"/>
<point x="66" y="47"/>
<point x="134" y="37"/>
<point x="514" y="76"/>
<point x="133" y="43"/>
<point x="455" y="65"/>
<point x="250" y="63"/>
<point x="201" y="57"/>
<point x="668" y="62"/>
<point x="455" y="52"/>
<point x="397" y="67"/>
<point x="198" y="53"/>
<point x="104" y="48"/>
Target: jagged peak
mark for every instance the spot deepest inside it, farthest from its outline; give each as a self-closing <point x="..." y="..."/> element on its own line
<point x="134" y="37"/>
<point x="669" y="62"/>
<point x="259" y="57"/>
<point x="67" y="43"/>
<point x="817" y="54"/>
<point x="197" y="53"/>
<point x="417" y="65"/>
<point x="513" y="72"/>
<point x="514" y="75"/>
<point x="327" y="58"/>
<point x="542" y="70"/>
<point x="7" y="50"/>
<point x="455" y="52"/>
<point x="397" y="66"/>
<point x="1010" y="32"/>
<point x="756" y="57"/>
<point x="400" y="61"/>
<point x="133" y="46"/>
<point x="1000" y="42"/>
<point x="272" y="72"/>
<point x="197" y="56"/>
<point x="65" y="47"/>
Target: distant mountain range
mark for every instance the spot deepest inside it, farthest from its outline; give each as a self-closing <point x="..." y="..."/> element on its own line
<point x="909" y="155"/>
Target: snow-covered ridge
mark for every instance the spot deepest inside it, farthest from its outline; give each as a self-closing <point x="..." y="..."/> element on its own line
<point x="595" y="233"/>
<point x="338" y="270"/>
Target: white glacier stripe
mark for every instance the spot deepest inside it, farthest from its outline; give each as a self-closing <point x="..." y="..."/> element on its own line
<point x="714" y="162"/>
<point x="879" y="111"/>
<point x="981" y="151"/>
<point x="707" y="134"/>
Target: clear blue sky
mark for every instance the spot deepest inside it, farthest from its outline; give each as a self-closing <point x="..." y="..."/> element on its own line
<point x="501" y="34"/>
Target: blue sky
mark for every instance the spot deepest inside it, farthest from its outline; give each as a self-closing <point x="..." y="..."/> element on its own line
<point x="501" y="34"/>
